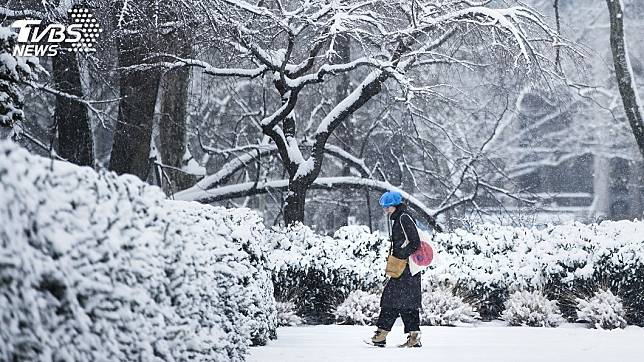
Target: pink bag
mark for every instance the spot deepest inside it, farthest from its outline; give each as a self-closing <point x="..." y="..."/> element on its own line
<point x="423" y="256"/>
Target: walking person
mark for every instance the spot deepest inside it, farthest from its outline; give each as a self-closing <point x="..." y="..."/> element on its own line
<point x="402" y="295"/>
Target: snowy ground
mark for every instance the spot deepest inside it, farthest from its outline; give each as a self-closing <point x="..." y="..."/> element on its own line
<point x="491" y="342"/>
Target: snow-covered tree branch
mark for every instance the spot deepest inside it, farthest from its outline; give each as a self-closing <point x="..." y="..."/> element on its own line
<point x="294" y="45"/>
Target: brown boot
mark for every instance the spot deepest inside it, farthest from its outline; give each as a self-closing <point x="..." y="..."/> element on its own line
<point x="379" y="339"/>
<point x="413" y="340"/>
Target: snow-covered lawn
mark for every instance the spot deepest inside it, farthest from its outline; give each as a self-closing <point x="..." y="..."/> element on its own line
<point x="491" y="342"/>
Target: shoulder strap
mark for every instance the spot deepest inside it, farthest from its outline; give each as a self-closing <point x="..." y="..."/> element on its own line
<point x="403" y="228"/>
<point x="391" y="241"/>
<point x="409" y="216"/>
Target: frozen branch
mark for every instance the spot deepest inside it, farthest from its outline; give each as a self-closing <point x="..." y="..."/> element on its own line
<point x="262" y="187"/>
<point x="206" y="68"/>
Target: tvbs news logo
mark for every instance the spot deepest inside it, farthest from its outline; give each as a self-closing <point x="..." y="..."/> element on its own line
<point x="40" y="40"/>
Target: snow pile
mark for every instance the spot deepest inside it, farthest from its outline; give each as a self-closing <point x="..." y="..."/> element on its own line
<point x="442" y="308"/>
<point x="359" y="308"/>
<point x="286" y="315"/>
<point x="318" y="272"/>
<point x="525" y="308"/>
<point x="604" y="310"/>
<point x="13" y="71"/>
<point x="101" y="267"/>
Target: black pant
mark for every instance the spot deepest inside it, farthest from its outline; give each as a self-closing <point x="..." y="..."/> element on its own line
<point x="410" y="317"/>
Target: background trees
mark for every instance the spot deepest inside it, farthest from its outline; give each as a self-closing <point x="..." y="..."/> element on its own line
<point x="308" y="110"/>
<point x="396" y="42"/>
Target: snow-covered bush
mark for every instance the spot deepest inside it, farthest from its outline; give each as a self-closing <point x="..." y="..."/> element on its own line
<point x="359" y="308"/>
<point x="77" y="266"/>
<point x="440" y="307"/>
<point x="490" y="260"/>
<point x="286" y="315"/>
<point x="13" y="71"/>
<point x="480" y="264"/>
<point x="603" y="310"/>
<point x="224" y="271"/>
<point x="525" y="308"/>
<point x="318" y="272"/>
<point x="619" y="258"/>
<point x="103" y="267"/>
<point x="484" y="264"/>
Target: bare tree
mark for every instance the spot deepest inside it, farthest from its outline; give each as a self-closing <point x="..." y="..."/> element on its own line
<point x="291" y="43"/>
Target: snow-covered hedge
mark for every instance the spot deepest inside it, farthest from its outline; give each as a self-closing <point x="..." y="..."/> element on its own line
<point x="221" y="267"/>
<point x="101" y="267"/>
<point x="318" y="272"/>
<point x="484" y="264"/>
<point x="359" y="308"/>
<point x="603" y="310"/>
<point x="525" y="308"/>
<point x="490" y="261"/>
<point x="440" y="307"/>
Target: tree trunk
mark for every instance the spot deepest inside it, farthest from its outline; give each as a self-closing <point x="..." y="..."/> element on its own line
<point x="624" y="72"/>
<point x="345" y="132"/>
<point x="172" y="123"/>
<point x="75" y="139"/>
<point x="636" y="189"/>
<point x="368" y="197"/>
<point x="600" y="208"/>
<point x="138" y="91"/>
<point x="295" y="200"/>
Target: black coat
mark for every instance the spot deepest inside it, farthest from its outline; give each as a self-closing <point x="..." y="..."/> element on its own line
<point x="403" y="292"/>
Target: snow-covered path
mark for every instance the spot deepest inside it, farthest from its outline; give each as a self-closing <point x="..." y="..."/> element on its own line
<point x="487" y="342"/>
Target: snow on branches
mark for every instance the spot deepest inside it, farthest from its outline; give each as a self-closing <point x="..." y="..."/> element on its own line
<point x="14" y="71"/>
<point x="295" y="47"/>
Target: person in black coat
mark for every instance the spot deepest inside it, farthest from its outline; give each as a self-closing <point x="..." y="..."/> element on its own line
<point x="402" y="295"/>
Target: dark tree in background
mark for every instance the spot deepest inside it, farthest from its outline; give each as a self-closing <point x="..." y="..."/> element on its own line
<point x="624" y="72"/>
<point x="172" y="144"/>
<point x="145" y="29"/>
<point x="71" y="118"/>
<point x="136" y="40"/>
